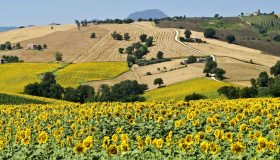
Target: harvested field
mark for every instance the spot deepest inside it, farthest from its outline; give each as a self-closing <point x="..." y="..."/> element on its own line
<point x="239" y="72"/>
<point x="220" y="48"/>
<point x="77" y="46"/>
<point x="19" y="35"/>
<point x="71" y="43"/>
<point x="173" y="69"/>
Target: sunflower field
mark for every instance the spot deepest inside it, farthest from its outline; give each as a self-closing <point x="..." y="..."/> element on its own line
<point x="206" y="129"/>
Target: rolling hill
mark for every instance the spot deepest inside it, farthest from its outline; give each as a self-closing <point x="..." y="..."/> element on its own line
<point x="77" y="46"/>
<point x="20" y="99"/>
<point x="147" y="14"/>
<point x="246" y="35"/>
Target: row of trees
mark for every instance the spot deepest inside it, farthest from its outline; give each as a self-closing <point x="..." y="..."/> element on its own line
<point x="263" y="86"/>
<point x="11" y="59"/>
<point x="125" y="91"/>
<point x="84" y="23"/>
<point x="8" y="46"/>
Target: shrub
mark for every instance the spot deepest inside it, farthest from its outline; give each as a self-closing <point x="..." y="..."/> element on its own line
<point x="149" y="42"/>
<point x="58" y="56"/>
<point x="230" y="38"/>
<point x="121" y="50"/>
<point x="93" y="35"/>
<point x="209" y="33"/>
<point x="143" y="37"/>
<point x="194" y="96"/>
<point x="126" y="36"/>
<point x="160" y="55"/>
<point x="191" y="59"/>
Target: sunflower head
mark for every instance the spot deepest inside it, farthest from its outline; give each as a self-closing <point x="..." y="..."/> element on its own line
<point x="79" y="148"/>
<point x="113" y="150"/>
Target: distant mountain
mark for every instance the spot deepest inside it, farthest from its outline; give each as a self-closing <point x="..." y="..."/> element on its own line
<point x="152" y="13"/>
<point x="3" y="29"/>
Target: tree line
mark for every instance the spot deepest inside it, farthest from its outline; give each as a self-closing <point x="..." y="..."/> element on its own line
<point x="125" y="91"/>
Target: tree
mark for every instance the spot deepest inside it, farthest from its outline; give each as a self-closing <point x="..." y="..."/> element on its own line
<point x="149" y="42"/>
<point x="219" y="73"/>
<point x="126" y="36"/>
<point x="78" y="24"/>
<point x="93" y="35"/>
<point x="32" y="89"/>
<point x="209" y="66"/>
<point x="45" y="46"/>
<point x="216" y="16"/>
<point x="160" y="55"/>
<point x="143" y="37"/>
<point x="188" y="33"/>
<point x="158" y="81"/>
<point x="70" y="94"/>
<point x="121" y="50"/>
<point x="85" y="92"/>
<point x="58" y="56"/>
<point x="8" y="46"/>
<point x="39" y="47"/>
<point x="248" y="92"/>
<point x="263" y="79"/>
<point x="128" y="91"/>
<point x="209" y="33"/>
<point x="18" y="46"/>
<point x="131" y="60"/>
<point x="56" y="91"/>
<point x="230" y="38"/>
<point x="105" y="93"/>
<point x="275" y="70"/>
<point x="191" y="59"/>
<point x="49" y="78"/>
<point x="194" y="96"/>
<point x="229" y="91"/>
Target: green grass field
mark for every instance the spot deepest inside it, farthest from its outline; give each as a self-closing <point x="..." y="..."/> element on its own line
<point x="17" y="99"/>
<point x="76" y="74"/>
<point x="178" y="91"/>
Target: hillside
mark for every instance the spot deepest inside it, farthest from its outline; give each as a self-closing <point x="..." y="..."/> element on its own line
<point x="178" y="91"/>
<point x="20" y="99"/>
<point x="21" y="34"/>
<point x="245" y="34"/>
<point x="77" y="46"/>
<point x="16" y="76"/>
<point x="147" y="14"/>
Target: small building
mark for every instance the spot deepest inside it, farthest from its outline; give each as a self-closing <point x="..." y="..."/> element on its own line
<point x="2" y="61"/>
<point x="32" y="46"/>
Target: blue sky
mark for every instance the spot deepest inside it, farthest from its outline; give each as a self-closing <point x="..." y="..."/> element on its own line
<point x="40" y="12"/>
